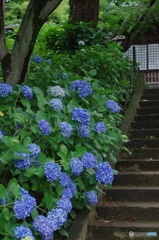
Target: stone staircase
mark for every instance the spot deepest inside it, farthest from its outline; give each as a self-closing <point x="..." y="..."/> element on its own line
<point x="130" y="209"/>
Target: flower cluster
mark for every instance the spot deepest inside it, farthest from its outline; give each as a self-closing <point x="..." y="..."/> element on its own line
<point x="56" y="104"/>
<point x="66" y="129"/>
<point x="37" y="59"/>
<point x="34" y="150"/>
<point x="69" y="191"/>
<point x="84" y="89"/>
<point x="58" y="216"/>
<point x="100" y="127"/>
<point x="52" y="171"/>
<point x="22" y="163"/>
<point x="104" y="173"/>
<point x="44" y="127"/>
<point x="2" y="134"/>
<point x="65" y="180"/>
<point x="23" y="208"/>
<point x="89" y="160"/>
<point x="92" y="197"/>
<point x="64" y="75"/>
<point x="81" y="115"/>
<point x="3" y="202"/>
<point x="76" y="166"/>
<point x="27" y="92"/>
<point x="57" y="91"/>
<point x="22" y="232"/>
<point x="5" y="89"/>
<point x="48" y="61"/>
<point x="64" y="204"/>
<point x="113" y="106"/>
<point x="83" y="130"/>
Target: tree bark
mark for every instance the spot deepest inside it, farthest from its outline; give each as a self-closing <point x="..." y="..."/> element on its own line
<point x="15" y="65"/>
<point x="84" y="11"/>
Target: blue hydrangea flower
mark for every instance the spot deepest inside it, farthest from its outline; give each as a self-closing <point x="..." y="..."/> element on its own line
<point x="45" y="226"/>
<point x="91" y="197"/>
<point x="48" y="61"/>
<point x="44" y="127"/>
<point x="19" y="126"/>
<point x="65" y="179"/>
<point x="23" y="208"/>
<point x="52" y="171"/>
<point x="57" y="91"/>
<point x="37" y="59"/>
<point x="76" y="166"/>
<point x="34" y="150"/>
<point x="22" y="232"/>
<point x="81" y="115"/>
<point x="83" y="131"/>
<point x="104" y="173"/>
<point x="64" y="75"/>
<point x="37" y="163"/>
<point x="100" y="127"/>
<point x="64" y="204"/>
<point x="58" y="216"/>
<point x="5" y="89"/>
<point x="22" y="163"/>
<point x="3" y="202"/>
<point x="66" y="129"/>
<point x="69" y="192"/>
<point x="84" y="89"/>
<point x="89" y="160"/>
<point x="1" y="135"/>
<point x="27" y="92"/>
<point x="113" y="106"/>
<point x="56" y="104"/>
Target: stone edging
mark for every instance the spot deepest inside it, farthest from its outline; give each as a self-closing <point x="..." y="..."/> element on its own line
<point x="78" y="229"/>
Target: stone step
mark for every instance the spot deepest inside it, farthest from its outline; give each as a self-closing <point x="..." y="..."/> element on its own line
<point x="151" y="96"/>
<point x="145" y="124"/>
<point x="132" y="194"/>
<point x="151" y="91"/>
<point x="139" y="153"/>
<point x="149" y="117"/>
<point x="144" y="178"/>
<point x="144" y="133"/>
<point x="122" y="211"/>
<point x="148" y="110"/>
<point x="107" y="230"/>
<point x="149" y="103"/>
<point x="143" y="143"/>
<point x="137" y="165"/>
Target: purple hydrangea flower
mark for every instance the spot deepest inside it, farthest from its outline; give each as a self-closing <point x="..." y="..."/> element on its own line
<point x="44" y="127"/>
<point x="56" y="104"/>
<point x="92" y="197"/>
<point x="76" y="166"/>
<point x="22" y="232"/>
<point x="81" y="115"/>
<point x="57" y="91"/>
<point x="89" y="160"/>
<point x="104" y="173"/>
<point x="23" y="208"/>
<point x="5" y="89"/>
<point x="83" y="131"/>
<point x="22" y="163"/>
<point x="58" y="216"/>
<point x="45" y="226"/>
<point x="37" y="59"/>
<point x="84" y="89"/>
<point x="65" y="179"/>
<point x="64" y="204"/>
<point x="27" y="92"/>
<point x="34" y="150"/>
<point x="113" y="106"/>
<point x="52" y="171"/>
<point x="100" y="127"/>
<point x="66" y="129"/>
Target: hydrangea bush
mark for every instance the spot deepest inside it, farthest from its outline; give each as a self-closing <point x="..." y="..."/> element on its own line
<point x="54" y="143"/>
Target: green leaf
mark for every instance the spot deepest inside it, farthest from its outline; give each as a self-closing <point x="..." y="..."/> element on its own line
<point x="40" y="115"/>
<point x="63" y="232"/>
<point x="3" y="192"/>
<point x="26" y="103"/>
<point x="40" y="96"/>
<point x="93" y="72"/>
<point x="62" y="155"/>
<point x="42" y="158"/>
<point x="30" y="172"/>
<point x="34" y="214"/>
<point x="64" y="149"/>
<point x="14" y="188"/>
<point x="81" y="150"/>
<point x="72" y="104"/>
<point x="73" y="214"/>
<point x="7" y="213"/>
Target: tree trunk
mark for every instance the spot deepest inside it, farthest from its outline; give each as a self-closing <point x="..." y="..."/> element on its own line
<point x="15" y="65"/>
<point x="84" y="11"/>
